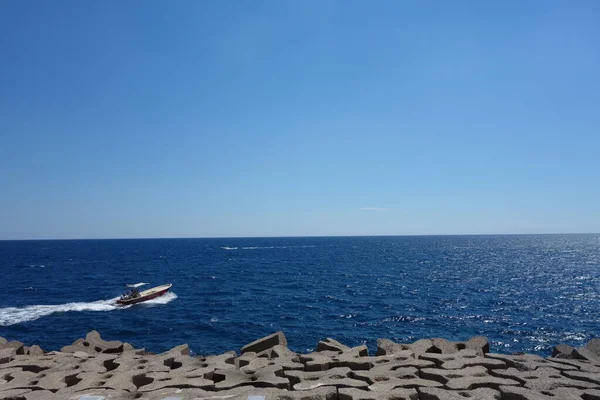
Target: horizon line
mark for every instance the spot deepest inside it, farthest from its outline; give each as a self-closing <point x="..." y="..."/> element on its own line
<point x="297" y="237"/>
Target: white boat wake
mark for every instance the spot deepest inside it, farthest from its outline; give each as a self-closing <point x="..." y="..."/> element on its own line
<point x="164" y="299"/>
<point x="17" y="315"/>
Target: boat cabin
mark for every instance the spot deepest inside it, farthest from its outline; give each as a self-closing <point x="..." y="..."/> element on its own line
<point x="131" y="294"/>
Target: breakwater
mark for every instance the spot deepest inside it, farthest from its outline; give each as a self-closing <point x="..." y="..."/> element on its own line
<point x="92" y="368"/>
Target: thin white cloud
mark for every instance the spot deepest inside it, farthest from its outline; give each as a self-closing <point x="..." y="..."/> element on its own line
<point x="381" y="209"/>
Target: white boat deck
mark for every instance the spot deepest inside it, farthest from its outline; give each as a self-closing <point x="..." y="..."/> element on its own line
<point x="155" y="289"/>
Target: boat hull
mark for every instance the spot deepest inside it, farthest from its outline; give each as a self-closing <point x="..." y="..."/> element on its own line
<point x="145" y="297"/>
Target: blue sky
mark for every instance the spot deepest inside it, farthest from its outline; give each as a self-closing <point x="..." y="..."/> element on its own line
<point x="277" y="118"/>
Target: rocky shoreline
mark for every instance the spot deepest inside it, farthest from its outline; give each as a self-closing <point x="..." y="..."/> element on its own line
<point x="429" y="369"/>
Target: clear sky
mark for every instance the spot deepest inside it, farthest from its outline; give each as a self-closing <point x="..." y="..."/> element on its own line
<point x="277" y="118"/>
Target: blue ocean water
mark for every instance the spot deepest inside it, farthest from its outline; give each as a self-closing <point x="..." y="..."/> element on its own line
<point x="526" y="293"/>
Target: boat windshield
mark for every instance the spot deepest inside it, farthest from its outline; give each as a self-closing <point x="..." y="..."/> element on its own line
<point x="131" y="294"/>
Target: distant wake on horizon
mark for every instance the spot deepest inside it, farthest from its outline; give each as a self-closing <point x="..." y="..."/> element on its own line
<point x="266" y="247"/>
<point x="16" y="315"/>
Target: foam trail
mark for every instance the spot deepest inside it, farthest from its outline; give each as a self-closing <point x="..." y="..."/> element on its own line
<point x="167" y="298"/>
<point x="17" y="315"/>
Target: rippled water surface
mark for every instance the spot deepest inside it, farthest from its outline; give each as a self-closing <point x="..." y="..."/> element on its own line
<point x="526" y="293"/>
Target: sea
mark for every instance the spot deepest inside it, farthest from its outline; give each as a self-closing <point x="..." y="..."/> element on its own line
<point x="524" y="292"/>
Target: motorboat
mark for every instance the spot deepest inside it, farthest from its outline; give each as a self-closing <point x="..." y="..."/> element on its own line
<point x="134" y="296"/>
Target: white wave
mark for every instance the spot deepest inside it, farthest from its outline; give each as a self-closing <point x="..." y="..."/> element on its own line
<point x="137" y="284"/>
<point x="167" y="298"/>
<point x="275" y="247"/>
<point x="17" y="315"/>
<point x="229" y="248"/>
